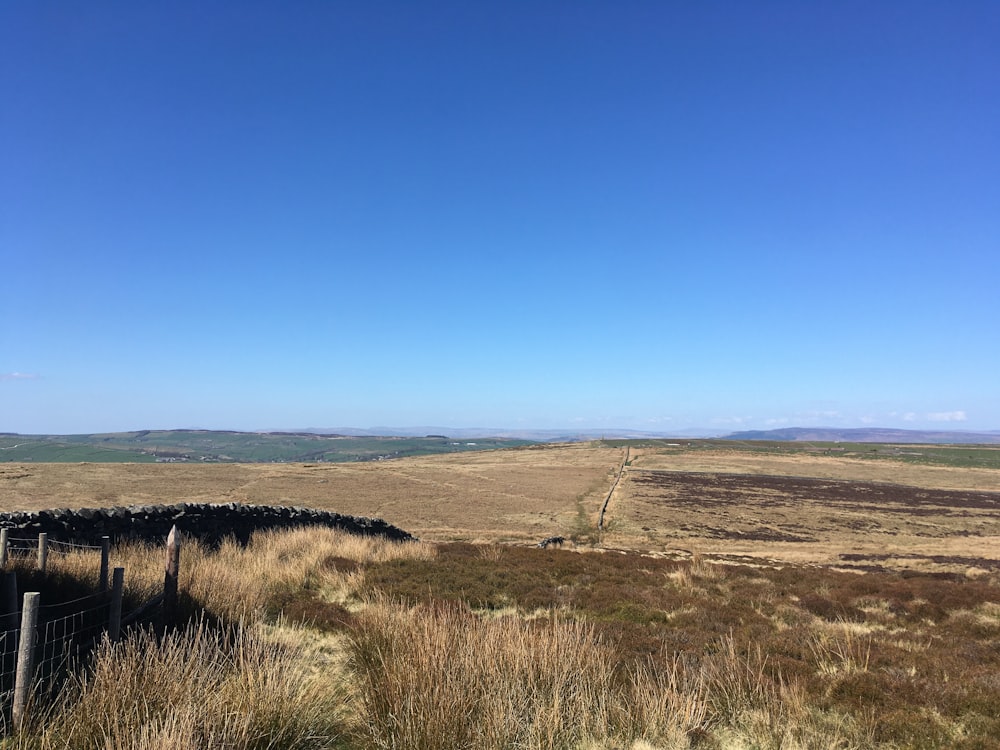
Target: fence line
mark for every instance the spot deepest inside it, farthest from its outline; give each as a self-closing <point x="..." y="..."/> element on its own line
<point x="52" y="637"/>
<point x="44" y="547"/>
<point x="22" y="545"/>
<point x="71" y="602"/>
<point x="30" y="543"/>
<point x="74" y="545"/>
<point x="64" y="639"/>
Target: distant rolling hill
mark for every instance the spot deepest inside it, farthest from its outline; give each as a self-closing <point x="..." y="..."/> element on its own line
<point x="867" y="435"/>
<point x="567" y="435"/>
<point x="216" y="446"/>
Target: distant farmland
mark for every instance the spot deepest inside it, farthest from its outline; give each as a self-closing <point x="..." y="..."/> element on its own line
<point x="197" y="446"/>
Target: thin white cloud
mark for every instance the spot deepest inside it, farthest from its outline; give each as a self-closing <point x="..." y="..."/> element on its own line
<point x="8" y="376"/>
<point x="731" y="420"/>
<point x="947" y="416"/>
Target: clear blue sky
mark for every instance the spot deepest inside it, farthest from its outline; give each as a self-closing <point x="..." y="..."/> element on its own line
<point x="654" y="215"/>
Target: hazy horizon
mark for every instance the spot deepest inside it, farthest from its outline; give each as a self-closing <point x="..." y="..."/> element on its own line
<point x="650" y="216"/>
<point x="466" y="432"/>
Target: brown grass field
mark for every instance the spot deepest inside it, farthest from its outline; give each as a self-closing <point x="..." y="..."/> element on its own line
<point x="721" y="502"/>
<point x="742" y="600"/>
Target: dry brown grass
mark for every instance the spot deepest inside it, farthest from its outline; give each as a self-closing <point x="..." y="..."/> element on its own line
<point x="275" y="679"/>
<point x="441" y="677"/>
<point x="198" y="688"/>
<point x="808" y="525"/>
<point x="760" y="657"/>
<point x="521" y="496"/>
<point x="801" y="529"/>
<point x="372" y="644"/>
<point x="299" y="570"/>
<point x="509" y="495"/>
<point x="735" y="461"/>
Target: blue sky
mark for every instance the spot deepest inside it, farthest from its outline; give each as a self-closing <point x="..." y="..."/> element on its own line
<point x="662" y="215"/>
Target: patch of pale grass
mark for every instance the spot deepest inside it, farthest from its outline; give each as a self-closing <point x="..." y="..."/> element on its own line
<point x="704" y="570"/>
<point x="441" y="677"/>
<point x="738" y="683"/>
<point x="665" y="704"/>
<point x="841" y="648"/>
<point x="237" y="582"/>
<point x="492" y="552"/>
<point x="323" y="655"/>
<point x="196" y="689"/>
<point x="697" y="571"/>
<point x="878" y="610"/>
<point x="912" y="643"/>
<point x="82" y="565"/>
<point x="750" y="708"/>
<point x="680" y="613"/>
<point x="983" y="619"/>
<point x="681" y="578"/>
<point x="145" y="564"/>
<point x="435" y="678"/>
<point x="988" y="613"/>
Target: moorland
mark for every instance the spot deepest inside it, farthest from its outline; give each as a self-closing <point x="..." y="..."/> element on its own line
<point x="853" y="505"/>
<point x="735" y="596"/>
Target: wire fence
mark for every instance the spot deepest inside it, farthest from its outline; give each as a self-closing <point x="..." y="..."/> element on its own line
<point x="8" y="660"/>
<point x="17" y="546"/>
<point x="41" y="644"/>
<point x="69" y="547"/>
<point x="43" y="547"/>
<point x="27" y="545"/>
<point x="67" y="631"/>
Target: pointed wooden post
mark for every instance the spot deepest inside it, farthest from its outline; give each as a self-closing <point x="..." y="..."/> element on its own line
<point x="170" y="578"/>
<point x="4" y="533"/>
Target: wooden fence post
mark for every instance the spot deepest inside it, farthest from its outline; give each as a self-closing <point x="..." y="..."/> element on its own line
<point x="105" y="561"/>
<point x="25" y="658"/>
<point x="43" y="551"/>
<point x="115" y="617"/>
<point x="4" y="533"/>
<point x="170" y="578"/>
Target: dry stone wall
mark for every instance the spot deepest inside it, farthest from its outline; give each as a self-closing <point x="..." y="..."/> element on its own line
<point x="210" y="523"/>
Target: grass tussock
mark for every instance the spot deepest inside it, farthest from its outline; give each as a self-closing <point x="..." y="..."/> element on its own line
<point x="279" y="569"/>
<point x="196" y="688"/>
<point x="441" y="677"/>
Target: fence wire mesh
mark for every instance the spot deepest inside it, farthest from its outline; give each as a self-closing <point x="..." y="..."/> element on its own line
<point x="66" y="631"/>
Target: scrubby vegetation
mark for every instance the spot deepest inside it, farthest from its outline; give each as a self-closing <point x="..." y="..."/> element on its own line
<point x="316" y="639"/>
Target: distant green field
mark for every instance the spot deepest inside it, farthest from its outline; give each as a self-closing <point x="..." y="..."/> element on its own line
<point x="245" y="447"/>
<point x="958" y="455"/>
